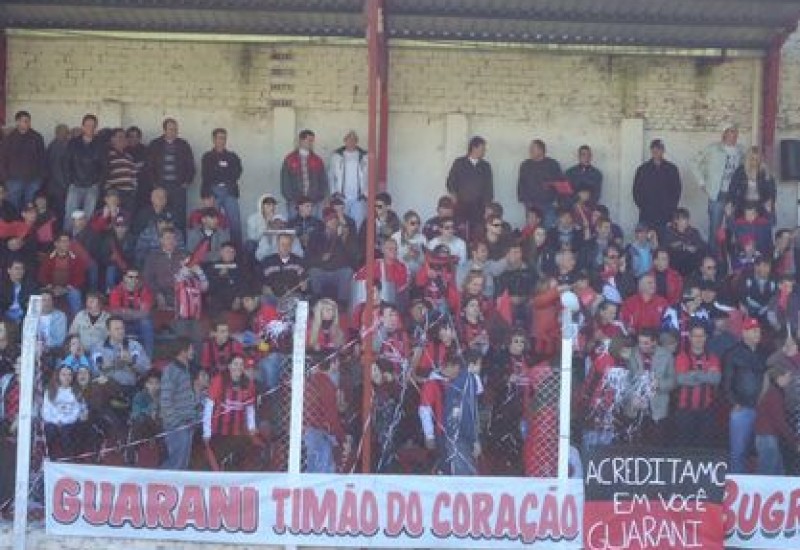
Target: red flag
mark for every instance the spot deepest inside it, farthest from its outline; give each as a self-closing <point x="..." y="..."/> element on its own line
<point x="199" y="254"/>
<point x="503" y="305"/>
<point x="13" y="230"/>
<point x="44" y="234"/>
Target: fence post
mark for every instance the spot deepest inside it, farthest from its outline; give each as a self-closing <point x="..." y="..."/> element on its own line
<point x="568" y="333"/>
<point x="25" y="424"/>
<point x="298" y="390"/>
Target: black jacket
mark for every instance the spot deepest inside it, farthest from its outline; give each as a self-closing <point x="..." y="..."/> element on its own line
<point x="85" y="162"/>
<point x="28" y="288"/>
<point x="534" y="177"/>
<point x="471" y="183"/>
<point x="589" y="176"/>
<point x="657" y="192"/>
<point x="744" y="375"/>
<point x="184" y="160"/>
<point x="738" y="190"/>
<point x="223" y="168"/>
<point x="23" y="156"/>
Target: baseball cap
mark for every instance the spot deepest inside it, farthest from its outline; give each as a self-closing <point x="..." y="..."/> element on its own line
<point x="750" y="323"/>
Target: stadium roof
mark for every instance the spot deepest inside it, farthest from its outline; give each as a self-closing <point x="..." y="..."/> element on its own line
<point x="723" y="24"/>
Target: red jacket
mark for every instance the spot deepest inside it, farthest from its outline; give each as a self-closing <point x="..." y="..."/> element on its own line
<point x="121" y="298"/>
<point x="637" y="314"/>
<point x="771" y="417"/>
<point x="76" y="266"/>
<point x="674" y="285"/>
<point x="215" y="358"/>
<point x="321" y="409"/>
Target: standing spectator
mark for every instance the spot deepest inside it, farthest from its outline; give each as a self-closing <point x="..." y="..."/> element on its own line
<point x="657" y="188"/>
<point x="348" y="177"/>
<point x="699" y="373"/>
<point x="537" y="175"/>
<point x="171" y="166"/>
<point x="713" y="168"/>
<point x="586" y="174"/>
<point x="221" y="171"/>
<point x="771" y="426"/>
<point x="743" y="376"/>
<point x="9" y="421"/>
<point x="23" y="161"/>
<point x="132" y="301"/>
<point x="303" y="174"/>
<point x="178" y="407"/>
<point x="752" y="182"/>
<point x="56" y="168"/>
<point x="121" y="171"/>
<point x="645" y="309"/>
<point x="86" y="163"/>
<point x="321" y="420"/>
<point x="651" y="379"/>
<point x="138" y="152"/>
<point x="470" y="182"/>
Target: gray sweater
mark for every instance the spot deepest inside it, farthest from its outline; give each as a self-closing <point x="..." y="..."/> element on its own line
<point x="178" y="402"/>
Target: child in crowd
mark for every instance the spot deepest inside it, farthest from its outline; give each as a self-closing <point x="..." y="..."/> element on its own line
<point x="64" y="413"/>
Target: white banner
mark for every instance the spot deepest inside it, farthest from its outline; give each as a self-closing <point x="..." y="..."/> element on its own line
<point x="762" y="512"/>
<point x="311" y="509"/>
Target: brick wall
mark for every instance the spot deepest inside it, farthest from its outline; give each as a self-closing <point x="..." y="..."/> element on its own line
<point x="509" y="96"/>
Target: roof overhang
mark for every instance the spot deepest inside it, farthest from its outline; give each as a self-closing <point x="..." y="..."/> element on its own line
<point x="689" y="24"/>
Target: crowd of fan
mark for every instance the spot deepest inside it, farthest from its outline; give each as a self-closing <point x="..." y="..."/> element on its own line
<point x="157" y="321"/>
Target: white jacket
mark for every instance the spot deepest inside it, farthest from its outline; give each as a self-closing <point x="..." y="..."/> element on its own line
<point x="336" y="173"/>
<point x="64" y="409"/>
<point x="708" y="167"/>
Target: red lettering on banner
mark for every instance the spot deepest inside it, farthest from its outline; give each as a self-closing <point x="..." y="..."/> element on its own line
<point x="728" y="513"/>
<point x="319" y="516"/>
<point x="506" y="526"/>
<point x="772" y="520"/>
<point x="569" y="518"/>
<point x="94" y="512"/>
<point x="192" y="509"/>
<point x="295" y="510"/>
<point x="250" y="502"/>
<point x="128" y="507"/>
<point x="793" y="513"/>
<point x="280" y="495"/>
<point x="370" y="519"/>
<point x="528" y="530"/>
<point x="225" y="508"/>
<point x="66" y="505"/>
<point x="439" y="526"/>
<point x="748" y="522"/>
<point x="161" y="501"/>
<point x="548" y="523"/>
<point x="348" y="520"/>
<point x="414" y="523"/>
<point x="482" y="505"/>
<point x="461" y="515"/>
<point x="395" y="514"/>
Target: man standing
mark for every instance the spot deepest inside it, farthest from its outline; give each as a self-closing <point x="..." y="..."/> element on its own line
<point x="470" y="182"/>
<point x="536" y="176"/>
<point x="348" y="177"/>
<point x="584" y="174"/>
<point x="220" y="173"/>
<point x="657" y="189"/>
<point x="743" y="377"/>
<point x="178" y="407"/>
<point x="86" y="162"/>
<point x="121" y="171"/>
<point x="23" y="161"/>
<point x="56" y="169"/>
<point x="713" y="168"/>
<point x="303" y="174"/>
<point x="171" y="166"/>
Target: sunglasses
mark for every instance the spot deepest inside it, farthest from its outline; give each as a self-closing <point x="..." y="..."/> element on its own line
<point x="131" y="276"/>
<point x="380" y="206"/>
<point x="497" y="225"/>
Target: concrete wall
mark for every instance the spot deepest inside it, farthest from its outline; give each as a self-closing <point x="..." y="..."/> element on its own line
<point x="264" y="93"/>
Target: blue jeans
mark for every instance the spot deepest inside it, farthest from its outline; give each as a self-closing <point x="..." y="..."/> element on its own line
<point x="742" y="422"/>
<point x="21" y="192"/>
<point x="179" y="449"/>
<point x="272" y="367"/>
<point x="716" y="211"/>
<point x="145" y="333"/>
<point x="770" y="460"/>
<point x="230" y="205"/>
<point x="79" y="198"/>
<point x="319" y="451"/>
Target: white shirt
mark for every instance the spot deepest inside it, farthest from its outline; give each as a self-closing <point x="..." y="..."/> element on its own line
<point x="352" y="174"/>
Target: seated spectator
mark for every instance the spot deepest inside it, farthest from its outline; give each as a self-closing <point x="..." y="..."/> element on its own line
<point x="651" y="379"/>
<point x="518" y="281"/>
<point x="411" y="242"/>
<point x="331" y="256"/>
<point x="8" y="212"/>
<point x="645" y="309"/>
<point x="104" y="217"/>
<point x="771" y="426"/>
<point x="679" y="318"/>
<point x="161" y="267"/>
<point x="133" y="302"/>
<point x="323" y="429"/>
<point x="669" y="283"/>
<point x="783" y="255"/>
<point x="156" y="211"/>
<point x="64" y="413"/>
<point x="204" y="242"/>
<point x="564" y="235"/>
<point x="150" y="240"/>
<point x="84" y="244"/>
<point x="387" y="223"/>
<point x="338" y="204"/>
<point x="497" y="241"/>
<point x="602" y="211"/>
<point x="566" y="270"/>
<point x="698" y="377"/>
<point x="9" y="346"/>
<point x="64" y="274"/>
<point x="89" y="324"/>
<point x="15" y="291"/>
<point x="306" y="226"/>
<point x="52" y="330"/>
<point x="783" y="312"/>
<point x="707" y="272"/>
<point x="391" y="272"/>
<point x="757" y="290"/>
<point x="593" y="250"/>
<point x="268" y="245"/>
<point x="178" y="407"/>
<point x="219" y="349"/>
<point x="456" y="245"/>
<point x="261" y="221"/>
<point x="753" y="226"/>
<point x="75" y="355"/>
<point x="117" y="253"/>
<point x="145" y="414"/>
<point x="686" y="246"/>
<point x="226" y="277"/>
<point x="583" y="209"/>
<point x="325" y="333"/>
<point x="283" y="273"/>
<point x="445" y="209"/>
<point x="435" y="282"/>
<point x="120" y="358"/>
<point x="207" y="201"/>
<point x="22" y="240"/>
<point x="640" y="251"/>
<point x="478" y="261"/>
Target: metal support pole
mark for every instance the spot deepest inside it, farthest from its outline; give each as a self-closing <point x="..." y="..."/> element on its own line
<point x="568" y="333"/>
<point x="374" y="28"/>
<point x="383" y="147"/>
<point x="771" y="88"/>
<point x="298" y="386"/>
<point x="25" y="421"/>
